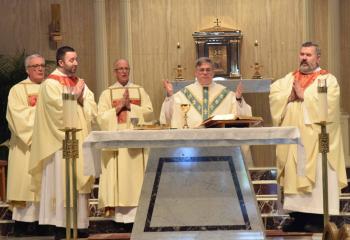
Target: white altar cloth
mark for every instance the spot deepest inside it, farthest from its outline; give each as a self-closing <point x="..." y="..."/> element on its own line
<point x="205" y="137"/>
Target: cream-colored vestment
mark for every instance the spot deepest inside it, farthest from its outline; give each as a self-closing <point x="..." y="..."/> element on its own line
<point x="303" y="193"/>
<point x="46" y="163"/>
<point x="217" y="100"/>
<point x="122" y="170"/>
<point x="20" y="117"/>
<point x="220" y="101"/>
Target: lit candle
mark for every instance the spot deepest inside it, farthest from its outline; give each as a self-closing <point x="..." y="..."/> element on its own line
<point x="256" y="44"/>
<point x="322" y="99"/>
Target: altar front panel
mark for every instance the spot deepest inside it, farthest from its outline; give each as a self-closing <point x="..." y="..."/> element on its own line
<point x="197" y="193"/>
<point x="215" y="202"/>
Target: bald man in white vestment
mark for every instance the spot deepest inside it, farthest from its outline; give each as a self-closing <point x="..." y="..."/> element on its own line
<point x="294" y="101"/>
<point x="122" y="170"/>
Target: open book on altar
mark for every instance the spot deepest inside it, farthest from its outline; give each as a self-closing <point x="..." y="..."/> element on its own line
<point x="231" y="120"/>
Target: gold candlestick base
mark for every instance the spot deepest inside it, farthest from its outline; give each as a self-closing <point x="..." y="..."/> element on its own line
<point x="70" y="151"/>
<point x="330" y="229"/>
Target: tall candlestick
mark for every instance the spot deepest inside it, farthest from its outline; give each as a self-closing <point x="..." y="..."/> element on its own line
<point x="256" y="44"/>
<point x="322" y="99"/>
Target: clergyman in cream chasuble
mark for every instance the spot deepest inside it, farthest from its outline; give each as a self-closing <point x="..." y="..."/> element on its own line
<point x="204" y="101"/>
<point x="304" y="193"/>
<point x="214" y="100"/>
<point x="20" y="117"/>
<point x="122" y="170"/>
<point x="46" y="163"/>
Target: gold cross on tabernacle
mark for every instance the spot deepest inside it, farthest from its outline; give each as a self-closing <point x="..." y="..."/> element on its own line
<point x="217" y="22"/>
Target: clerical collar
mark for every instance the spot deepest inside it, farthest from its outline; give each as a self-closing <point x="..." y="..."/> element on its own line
<point x="63" y="79"/>
<point x="210" y="85"/>
<point x="63" y="74"/>
<point x="117" y="84"/>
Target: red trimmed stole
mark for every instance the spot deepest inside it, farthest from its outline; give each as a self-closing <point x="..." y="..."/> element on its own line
<point x="123" y="114"/>
<point x="65" y="80"/>
<point x="306" y="80"/>
<point x="32" y="100"/>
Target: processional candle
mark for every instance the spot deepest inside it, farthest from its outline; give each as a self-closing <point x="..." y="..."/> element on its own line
<point x="322" y="99"/>
<point x="69" y="107"/>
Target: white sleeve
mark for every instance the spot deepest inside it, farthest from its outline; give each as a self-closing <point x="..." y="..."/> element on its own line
<point x="243" y="108"/>
<point x="166" y="113"/>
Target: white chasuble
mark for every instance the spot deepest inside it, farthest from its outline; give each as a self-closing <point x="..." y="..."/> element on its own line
<point x="123" y="169"/>
<point x="20" y="115"/>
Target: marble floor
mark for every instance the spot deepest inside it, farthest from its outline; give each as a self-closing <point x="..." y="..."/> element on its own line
<point x="266" y="190"/>
<point x="314" y="237"/>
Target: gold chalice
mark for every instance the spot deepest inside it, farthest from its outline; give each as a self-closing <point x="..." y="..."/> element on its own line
<point x="185" y="107"/>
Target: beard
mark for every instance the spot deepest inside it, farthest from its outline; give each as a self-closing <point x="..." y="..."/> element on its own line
<point x="306" y="67"/>
<point x="70" y="70"/>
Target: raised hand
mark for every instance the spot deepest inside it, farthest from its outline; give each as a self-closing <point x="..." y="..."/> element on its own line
<point x="292" y="97"/>
<point x="239" y="90"/>
<point x="168" y="87"/>
<point x="126" y="99"/>
<point x="79" y="87"/>
<point x="299" y="91"/>
<point x="79" y="90"/>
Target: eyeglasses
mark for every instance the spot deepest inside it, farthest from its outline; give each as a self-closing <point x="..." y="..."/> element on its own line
<point x="205" y="70"/>
<point x="37" y="66"/>
<point x="122" y="69"/>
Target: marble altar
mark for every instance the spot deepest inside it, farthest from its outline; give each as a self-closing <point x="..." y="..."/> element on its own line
<point x="196" y="184"/>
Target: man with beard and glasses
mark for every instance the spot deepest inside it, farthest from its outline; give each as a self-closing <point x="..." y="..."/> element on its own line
<point x="294" y="101"/>
<point x="47" y="166"/>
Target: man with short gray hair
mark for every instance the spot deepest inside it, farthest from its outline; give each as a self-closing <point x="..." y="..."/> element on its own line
<point x="206" y="98"/>
<point x="20" y="117"/>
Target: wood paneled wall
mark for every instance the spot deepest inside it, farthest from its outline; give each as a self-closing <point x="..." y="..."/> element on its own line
<point x="345" y="54"/>
<point x="158" y="25"/>
<point x="25" y="25"/>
